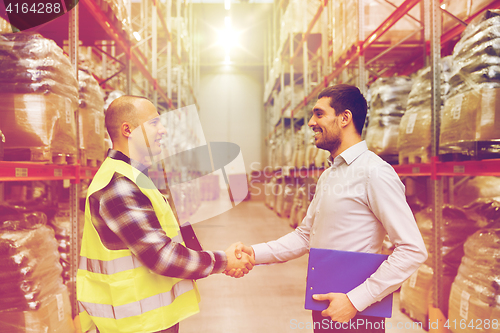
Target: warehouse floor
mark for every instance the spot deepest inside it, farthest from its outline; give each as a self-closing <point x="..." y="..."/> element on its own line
<point x="270" y="298"/>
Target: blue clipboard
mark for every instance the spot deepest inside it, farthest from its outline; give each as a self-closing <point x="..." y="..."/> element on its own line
<point x="340" y="272"/>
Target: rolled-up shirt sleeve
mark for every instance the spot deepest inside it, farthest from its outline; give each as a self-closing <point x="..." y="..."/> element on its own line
<point x="387" y="201"/>
<point x="129" y="214"/>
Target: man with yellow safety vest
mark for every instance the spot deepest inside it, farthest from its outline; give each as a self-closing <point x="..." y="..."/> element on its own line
<point x="135" y="273"/>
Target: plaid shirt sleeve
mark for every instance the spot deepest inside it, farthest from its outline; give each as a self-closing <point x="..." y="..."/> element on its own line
<point x="129" y="214"/>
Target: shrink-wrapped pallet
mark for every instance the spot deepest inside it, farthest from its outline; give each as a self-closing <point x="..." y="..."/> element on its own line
<point x="455" y="228"/>
<point x="476" y="290"/>
<point x="414" y="139"/>
<point x="91" y="116"/>
<point x="38" y="97"/>
<point x="416" y="294"/>
<point x="32" y="296"/>
<point x="5" y="26"/>
<point x="117" y="12"/>
<point x="477" y="188"/>
<point x="470" y="118"/>
<point x="387" y="106"/>
<point x="476" y="55"/>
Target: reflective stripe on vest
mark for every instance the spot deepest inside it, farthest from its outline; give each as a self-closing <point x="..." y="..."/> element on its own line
<point x="113" y="266"/>
<point x="139" y="307"/>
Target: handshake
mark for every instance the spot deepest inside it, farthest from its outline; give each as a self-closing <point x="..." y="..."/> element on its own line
<point x="240" y="260"/>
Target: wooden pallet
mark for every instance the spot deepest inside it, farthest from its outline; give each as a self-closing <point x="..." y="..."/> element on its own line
<point x="470" y="150"/>
<point x="414" y="157"/>
<point x="89" y="162"/>
<point x="35" y="155"/>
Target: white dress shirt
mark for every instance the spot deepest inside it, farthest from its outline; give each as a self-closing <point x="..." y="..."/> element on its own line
<point x="358" y="199"/>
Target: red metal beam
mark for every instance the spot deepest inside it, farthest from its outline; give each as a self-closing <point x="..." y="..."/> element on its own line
<point x="388" y="23"/>
<point x="287" y="105"/>
<point x="29" y="171"/>
<point x="401" y="11"/>
<point x="457" y="30"/>
<point x="413" y="169"/>
<point x="469" y="168"/>
<point x="87" y="172"/>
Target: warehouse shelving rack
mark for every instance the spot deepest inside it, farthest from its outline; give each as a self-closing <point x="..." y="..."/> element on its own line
<point x="98" y="24"/>
<point x="405" y="58"/>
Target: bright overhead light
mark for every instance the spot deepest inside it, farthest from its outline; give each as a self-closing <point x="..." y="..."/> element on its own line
<point x="227" y="4"/>
<point x="137" y="36"/>
<point x="227" y="60"/>
<point x="228" y="38"/>
<point x="443" y="6"/>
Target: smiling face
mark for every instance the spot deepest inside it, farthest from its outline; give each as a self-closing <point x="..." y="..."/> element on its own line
<point x="144" y="141"/>
<point x="324" y="123"/>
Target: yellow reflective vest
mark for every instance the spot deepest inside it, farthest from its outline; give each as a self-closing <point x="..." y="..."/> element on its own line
<point x="115" y="291"/>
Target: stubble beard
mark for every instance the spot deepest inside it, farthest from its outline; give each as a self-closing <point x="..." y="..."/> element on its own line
<point x="329" y="142"/>
<point x="331" y="145"/>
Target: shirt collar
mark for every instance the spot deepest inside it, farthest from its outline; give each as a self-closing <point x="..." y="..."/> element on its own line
<point x="351" y="153"/>
<point x="118" y="155"/>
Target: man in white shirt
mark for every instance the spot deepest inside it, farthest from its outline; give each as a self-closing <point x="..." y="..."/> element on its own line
<point x="358" y="199"/>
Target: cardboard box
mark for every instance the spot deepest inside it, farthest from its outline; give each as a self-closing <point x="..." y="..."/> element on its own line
<point x="471" y="116"/>
<point x="44" y="123"/>
<point x="54" y="316"/>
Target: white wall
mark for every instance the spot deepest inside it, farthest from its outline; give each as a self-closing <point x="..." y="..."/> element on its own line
<point x="231" y="110"/>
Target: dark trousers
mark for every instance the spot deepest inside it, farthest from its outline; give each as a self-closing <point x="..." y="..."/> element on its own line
<point x="359" y="324"/>
<point x="173" y="329"/>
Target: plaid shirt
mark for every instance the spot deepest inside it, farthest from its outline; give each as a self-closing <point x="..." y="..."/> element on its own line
<point x="125" y="219"/>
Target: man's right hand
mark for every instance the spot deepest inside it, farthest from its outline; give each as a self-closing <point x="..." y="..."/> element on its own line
<point x="239" y="252"/>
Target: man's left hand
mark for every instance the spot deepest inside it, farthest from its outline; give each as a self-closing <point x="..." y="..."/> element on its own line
<point x="340" y="309"/>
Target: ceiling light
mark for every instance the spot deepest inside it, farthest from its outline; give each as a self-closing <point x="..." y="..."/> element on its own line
<point x="227" y="4"/>
<point x="228" y="38"/>
<point x="137" y="36"/>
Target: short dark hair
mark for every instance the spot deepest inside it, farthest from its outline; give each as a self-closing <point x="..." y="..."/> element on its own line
<point x="347" y="97"/>
<point x="120" y="110"/>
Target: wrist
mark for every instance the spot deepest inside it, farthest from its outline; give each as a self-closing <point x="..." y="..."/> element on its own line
<point x="220" y="262"/>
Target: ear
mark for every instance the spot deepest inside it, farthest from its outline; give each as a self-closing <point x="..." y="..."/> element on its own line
<point x="126" y="129"/>
<point x="345" y="118"/>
